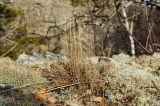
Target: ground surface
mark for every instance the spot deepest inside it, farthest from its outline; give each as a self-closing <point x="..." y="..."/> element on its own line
<point x="117" y="81"/>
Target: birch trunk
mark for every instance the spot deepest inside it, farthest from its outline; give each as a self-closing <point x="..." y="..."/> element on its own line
<point x="130" y="29"/>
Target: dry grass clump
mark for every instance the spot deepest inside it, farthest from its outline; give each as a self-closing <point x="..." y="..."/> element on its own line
<point x="67" y="73"/>
<point x="72" y="89"/>
<point x="19" y="75"/>
<point x="79" y="50"/>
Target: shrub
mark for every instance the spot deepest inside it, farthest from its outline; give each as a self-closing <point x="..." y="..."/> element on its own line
<point x="8" y="14"/>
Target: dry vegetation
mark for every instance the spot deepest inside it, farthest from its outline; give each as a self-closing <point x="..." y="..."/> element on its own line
<point x="121" y="80"/>
<point x="80" y="78"/>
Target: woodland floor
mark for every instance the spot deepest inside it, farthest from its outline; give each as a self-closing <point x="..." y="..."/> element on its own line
<point x="118" y="81"/>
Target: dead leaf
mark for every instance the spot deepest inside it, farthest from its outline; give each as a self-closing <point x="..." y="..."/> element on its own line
<point x="98" y="99"/>
<point x="41" y="94"/>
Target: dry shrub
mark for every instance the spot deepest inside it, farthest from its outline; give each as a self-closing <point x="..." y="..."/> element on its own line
<point x="64" y="74"/>
<point x="58" y="74"/>
<point x="83" y="73"/>
<point x="79" y="68"/>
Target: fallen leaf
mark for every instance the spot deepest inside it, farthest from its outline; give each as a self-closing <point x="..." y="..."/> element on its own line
<point x="98" y="99"/>
<point x="41" y="94"/>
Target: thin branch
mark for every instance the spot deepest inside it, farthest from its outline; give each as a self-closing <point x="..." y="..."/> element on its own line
<point x="69" y="85"/>
<point x="9" y="50"/>
<point x="24" y="86"/>
<point x="8" y="34"/>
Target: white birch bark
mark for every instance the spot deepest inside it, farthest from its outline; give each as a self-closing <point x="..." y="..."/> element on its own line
<point x="130" y="29"/>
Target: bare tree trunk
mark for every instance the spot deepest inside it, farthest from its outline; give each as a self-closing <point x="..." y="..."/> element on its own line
<point x="129" y="27"/>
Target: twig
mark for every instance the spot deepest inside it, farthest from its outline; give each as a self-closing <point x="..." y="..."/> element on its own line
<point x="8" y="34"/>
<point x="10" y="40"/>
<point x="69" y="85"/>
<point x="9" y="50"/>
<point x="132" y="16"/>
<point x="24" y="86"/>
<point x="65" y="86"/>
<point x="48" y="82"/>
